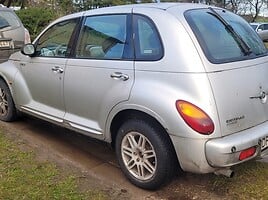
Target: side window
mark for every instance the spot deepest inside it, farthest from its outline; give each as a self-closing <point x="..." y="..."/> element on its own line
<point x="261" y="27"/>
<point x="148" y="45"/>
<point x="54" y="42"/>
<point x="103" y="37"/>
<point x="265" y="26"/>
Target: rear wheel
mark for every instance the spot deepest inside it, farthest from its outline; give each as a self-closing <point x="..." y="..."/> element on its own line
<point x="7" y="108"/>
<point x="145" y="154"/>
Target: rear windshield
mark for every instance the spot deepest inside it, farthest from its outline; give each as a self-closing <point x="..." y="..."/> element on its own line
<point x="224" y="36"/>
<point x="8" y="19"/>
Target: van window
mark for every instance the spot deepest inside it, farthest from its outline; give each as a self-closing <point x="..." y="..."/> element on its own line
<point x="225" y="37"/>
<point x="147" y="42"/>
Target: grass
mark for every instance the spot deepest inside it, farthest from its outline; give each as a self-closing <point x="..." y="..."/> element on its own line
<point x="249" y="182"/>
<point x="23" y="177"/>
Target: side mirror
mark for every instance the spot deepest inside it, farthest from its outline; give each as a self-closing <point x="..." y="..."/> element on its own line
<point x="28" y="49"/>
<point x="259" y="30"/>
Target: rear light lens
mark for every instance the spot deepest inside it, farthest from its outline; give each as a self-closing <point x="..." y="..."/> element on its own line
<point x="247" y="153"/>
<point x="195" y="117"/>
<point x="27" y="38"/>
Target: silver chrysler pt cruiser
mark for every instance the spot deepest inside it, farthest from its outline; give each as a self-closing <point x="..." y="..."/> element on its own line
<point x="170" y="86"/>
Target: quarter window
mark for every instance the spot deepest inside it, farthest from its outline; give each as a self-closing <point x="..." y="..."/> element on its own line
<point x="148" y="45"/>
<point x="103" y="37"/>
<point x="54" y="42"/>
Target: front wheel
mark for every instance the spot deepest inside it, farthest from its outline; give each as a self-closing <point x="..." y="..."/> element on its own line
<point x="144" y="154"/>
<point x="7" y="108"/>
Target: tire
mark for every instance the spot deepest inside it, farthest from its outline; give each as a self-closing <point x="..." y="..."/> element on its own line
<point x="8" y="110"/>
<point x="145" y="154"/>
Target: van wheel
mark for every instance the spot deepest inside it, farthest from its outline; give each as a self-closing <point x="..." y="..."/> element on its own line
<point x="144" y="154"/>
<point x="7" y="108"/>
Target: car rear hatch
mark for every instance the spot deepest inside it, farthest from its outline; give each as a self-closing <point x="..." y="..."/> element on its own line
<point x="241" y="95"/>
<point x="12" y="34"/>
<point x="237" y="66"/>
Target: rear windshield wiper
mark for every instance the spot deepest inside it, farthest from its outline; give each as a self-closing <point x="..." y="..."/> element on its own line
<point x="241" y="43"/>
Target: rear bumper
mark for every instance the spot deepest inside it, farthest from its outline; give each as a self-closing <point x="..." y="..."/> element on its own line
<point x="225" y="151"/>
<point x="211" y="155"/>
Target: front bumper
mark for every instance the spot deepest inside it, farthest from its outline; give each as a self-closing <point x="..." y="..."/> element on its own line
<point x="225" y="151"/>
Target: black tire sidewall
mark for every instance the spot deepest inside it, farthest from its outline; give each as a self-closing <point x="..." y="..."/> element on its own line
<point x="160" y="145"/>
<point x="11" y="110"/>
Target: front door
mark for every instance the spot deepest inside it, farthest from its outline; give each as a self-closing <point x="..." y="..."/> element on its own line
<point x="44" y="72"/>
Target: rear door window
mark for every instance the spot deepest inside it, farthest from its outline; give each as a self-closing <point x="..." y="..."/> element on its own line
<point x="104" y="37"/>
<point x="219" y="44"/>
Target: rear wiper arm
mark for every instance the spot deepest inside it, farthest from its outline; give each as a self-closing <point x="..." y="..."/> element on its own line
<point x="241" y="43"/>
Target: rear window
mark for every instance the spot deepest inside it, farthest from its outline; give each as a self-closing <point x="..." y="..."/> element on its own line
<point x="8" y="19"/>
<point x="224" y="36"/>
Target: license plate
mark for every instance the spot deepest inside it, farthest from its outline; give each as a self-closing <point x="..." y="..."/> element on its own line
<point x="4" y="44"/>
<point x="264" y="143"/>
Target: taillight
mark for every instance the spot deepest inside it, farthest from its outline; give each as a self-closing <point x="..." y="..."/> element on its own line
<point x="27" y="38"/>
<point x="196" y="118"/>
<point x="247" y="153"/>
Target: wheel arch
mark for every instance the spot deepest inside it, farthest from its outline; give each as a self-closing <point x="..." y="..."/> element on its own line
<point x="8" y="83"/>
<point x="128" y="114"/>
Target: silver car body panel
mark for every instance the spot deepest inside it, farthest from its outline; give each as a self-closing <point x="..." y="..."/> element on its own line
<point x="86" y="98"/>
<point x="89" y="75"/>
<point x="262" y="33"/>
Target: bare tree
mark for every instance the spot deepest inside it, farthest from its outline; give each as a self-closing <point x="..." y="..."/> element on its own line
<point x="233" y="5"/>
<point x="8" y="3"/>
<point x="254" y="7"/>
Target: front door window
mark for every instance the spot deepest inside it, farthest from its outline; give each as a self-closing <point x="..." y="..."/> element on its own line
<point x="54" y="42"/>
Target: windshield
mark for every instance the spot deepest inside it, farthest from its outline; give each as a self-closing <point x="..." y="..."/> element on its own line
<point x="253" y="26"/>
<point x="8" y="19"/>
<point x="224" y="36"/>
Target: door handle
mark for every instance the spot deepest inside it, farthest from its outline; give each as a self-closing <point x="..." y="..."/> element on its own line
<point x="57" y="70"/>
<point x="119" y="76"/>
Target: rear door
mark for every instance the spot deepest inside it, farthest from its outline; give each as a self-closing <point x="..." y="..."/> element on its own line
<point x="101" y="73"/>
